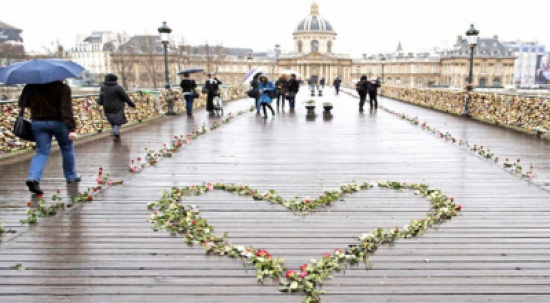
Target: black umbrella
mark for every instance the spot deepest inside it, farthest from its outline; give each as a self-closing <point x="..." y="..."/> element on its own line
<point x="190" y="71"/>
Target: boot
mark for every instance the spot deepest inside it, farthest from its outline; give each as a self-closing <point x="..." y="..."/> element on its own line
<point x="34" y="187"/>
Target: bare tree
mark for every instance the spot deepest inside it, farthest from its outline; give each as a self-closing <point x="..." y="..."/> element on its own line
<point x="214" y="57"/>
<point x="11" y="52"/>
<point x="152" y="63"/>
<point x="123" y="57"/>
<point x="54" y="50"/>
<point x="179" y="53"/>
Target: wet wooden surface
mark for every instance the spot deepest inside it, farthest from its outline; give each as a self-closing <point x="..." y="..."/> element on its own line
<point x="497" y="250"/>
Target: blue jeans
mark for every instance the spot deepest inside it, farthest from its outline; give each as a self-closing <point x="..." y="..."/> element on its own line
<point x="43" y="132"/>
<point x="258" y="105"/>
<point x="189" y="103"/>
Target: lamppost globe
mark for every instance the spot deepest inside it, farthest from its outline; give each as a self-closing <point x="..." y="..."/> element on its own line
<point x="164" y="32"/>
<point x="472" y="36"/>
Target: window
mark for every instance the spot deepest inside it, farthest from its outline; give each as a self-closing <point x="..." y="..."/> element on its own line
<point x="300" y="46"/>
<point x="315" y="46"/>
<point x="419" y="68"/>
<point x="358" y="69"/>
<point x="498" y="68"/>
<point x="483" y="68"/>
<point x="329" y="47"/>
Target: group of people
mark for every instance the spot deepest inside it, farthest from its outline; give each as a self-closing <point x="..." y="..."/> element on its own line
<point x="368" y="87"/>
<point x="263" y="91"/>
<point x="211" y="88"/>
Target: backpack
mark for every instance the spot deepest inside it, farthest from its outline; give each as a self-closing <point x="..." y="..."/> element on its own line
<point x="360" y="87"/>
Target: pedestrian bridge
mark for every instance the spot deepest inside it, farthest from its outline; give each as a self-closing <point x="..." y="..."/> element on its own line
<point x="496" y="248"/>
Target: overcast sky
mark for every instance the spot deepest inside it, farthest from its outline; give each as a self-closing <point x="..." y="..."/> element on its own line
<point x="362" y="26"/>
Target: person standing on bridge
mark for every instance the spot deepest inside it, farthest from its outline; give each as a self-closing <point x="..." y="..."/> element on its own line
<point x="293" y="88"/>
<point x="336" y="84"/>
<point x="373" y="85"/>
<point x="281" y="88"/>
<point x="362" y="88"/>
<point x="113" y="98"/>
<point x="52" y="116"/>
<point x="212" y="88"/>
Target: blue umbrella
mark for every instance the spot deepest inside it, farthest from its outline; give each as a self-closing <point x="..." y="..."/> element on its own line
<point x="39" y="71"/>
<point x="190" y="71"/>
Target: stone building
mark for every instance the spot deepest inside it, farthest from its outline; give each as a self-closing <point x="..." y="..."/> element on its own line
<point x="525" y="66"/>
<point x="140" y="61"/>
<point x="493" y="64"/>
<point x="11" y="44"/>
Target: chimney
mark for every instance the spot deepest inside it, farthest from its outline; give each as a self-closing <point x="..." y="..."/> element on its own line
<point x="459" y="39"/>
<point x="495" y="37"/>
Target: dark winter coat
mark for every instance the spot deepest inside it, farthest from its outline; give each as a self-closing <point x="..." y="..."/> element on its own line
<point x="50" y="101"/>
<point x="337" y="82"/>
<point x="187" y="85"/>
<point x="113" y="98"/>
<point x="293" y="85"/>
<point x="362" y="86"/>
<point x="212" y="86"/>
<point x="322" y="82"/>
<point x="373" y="87"/>
<point x="282" y="86"/>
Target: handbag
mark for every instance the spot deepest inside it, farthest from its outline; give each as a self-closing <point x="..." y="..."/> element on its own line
<point x="272" y="94"/>
<point x="23" y="127"/>
<point x="194" y="94"/>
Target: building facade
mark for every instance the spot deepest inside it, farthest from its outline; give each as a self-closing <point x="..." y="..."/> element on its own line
<point x="140" y="60"/>
<point x="11" y="44"/>
<point x="493" y="64"/>
<point x="528" y="55"/>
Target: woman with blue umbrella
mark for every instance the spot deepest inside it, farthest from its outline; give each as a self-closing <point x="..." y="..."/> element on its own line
<point x="51" y="112"/>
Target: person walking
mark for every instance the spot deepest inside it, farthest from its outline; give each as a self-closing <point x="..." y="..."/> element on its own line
<point x="321" y="86"/>
<point x="281" y="88"/>
<point x="267" y="90"/>
<point x="212" y="87"/>
<point x="336" y="84"/>
<point x="373" y="86"/>
<point x="113" y="99"/>
<point x="293" y="88"/>
<point x="362" y="87"/>
<point x="188" y="86"/>
<point x="255" y="84"/>
<point x="52" y="116"/>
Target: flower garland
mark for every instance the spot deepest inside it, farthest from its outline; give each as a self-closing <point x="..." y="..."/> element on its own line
<point x="104" y="181"/>
<point x="514" y="168"/>
<point x="41" y="211"/>
<point x="172" y="216"/>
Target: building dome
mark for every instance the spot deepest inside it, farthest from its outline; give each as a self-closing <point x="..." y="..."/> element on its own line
<point x="314" y="22"/>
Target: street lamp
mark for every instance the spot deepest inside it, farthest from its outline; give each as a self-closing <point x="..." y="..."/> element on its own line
<point x="382" y="59"/>
<point x="164" y="32"/>
<point x="249" y="58"/>
<point x="472" y="36"/>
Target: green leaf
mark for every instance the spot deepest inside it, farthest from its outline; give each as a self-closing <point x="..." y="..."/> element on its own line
<point x="18" y="266"/>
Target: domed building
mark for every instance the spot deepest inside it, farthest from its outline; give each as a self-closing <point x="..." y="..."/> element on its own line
<point x="314" y="34"/>
<point x="313" y="54"/>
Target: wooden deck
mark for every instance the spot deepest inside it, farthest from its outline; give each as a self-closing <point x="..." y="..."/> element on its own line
<point x="497" y="250"/>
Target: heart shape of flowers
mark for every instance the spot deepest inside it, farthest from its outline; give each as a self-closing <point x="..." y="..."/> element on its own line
<point x="171" y="215"/>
